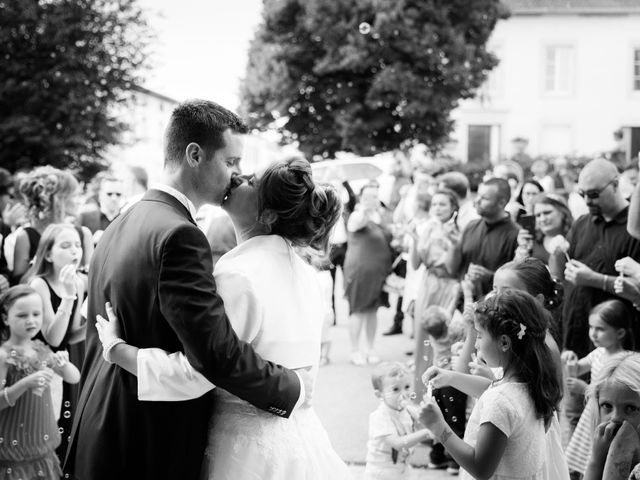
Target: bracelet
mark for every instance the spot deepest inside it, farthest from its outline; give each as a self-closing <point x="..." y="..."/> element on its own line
<point x="108" y="347"/>
<point x="604" y="283"/>
<point x="6" y="397"/>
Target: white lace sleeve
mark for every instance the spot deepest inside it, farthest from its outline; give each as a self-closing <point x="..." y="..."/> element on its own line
<point x="165" y="377"/>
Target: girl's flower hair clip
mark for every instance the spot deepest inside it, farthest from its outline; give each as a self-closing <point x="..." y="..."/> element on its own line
<point x="521" y="332"/>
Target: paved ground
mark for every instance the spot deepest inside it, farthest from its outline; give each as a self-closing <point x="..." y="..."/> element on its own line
<point x="344" y="397"/>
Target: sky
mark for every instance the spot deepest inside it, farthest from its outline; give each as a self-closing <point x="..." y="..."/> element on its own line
<point x="201" y="47"/>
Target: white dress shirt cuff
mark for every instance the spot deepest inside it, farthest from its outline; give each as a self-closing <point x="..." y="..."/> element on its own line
<point x="164" y="377"/>
<point x="302" y="393"/>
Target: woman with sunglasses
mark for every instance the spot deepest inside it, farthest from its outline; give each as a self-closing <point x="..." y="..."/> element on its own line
<point x="552" y="218"/>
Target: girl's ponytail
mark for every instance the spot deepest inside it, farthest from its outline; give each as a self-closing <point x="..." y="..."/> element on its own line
<point x="617" y="314"/>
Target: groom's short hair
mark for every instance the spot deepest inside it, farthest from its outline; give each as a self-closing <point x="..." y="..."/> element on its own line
<point x="198" y="121"/>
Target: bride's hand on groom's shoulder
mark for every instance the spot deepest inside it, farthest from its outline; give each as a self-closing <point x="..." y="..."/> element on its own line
<point x="307" y="378"/>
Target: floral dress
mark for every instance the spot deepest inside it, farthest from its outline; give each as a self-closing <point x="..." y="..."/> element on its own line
<point x="28" y="430"/>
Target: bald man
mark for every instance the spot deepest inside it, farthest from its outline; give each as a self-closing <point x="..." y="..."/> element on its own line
<point x="596" y="241"/>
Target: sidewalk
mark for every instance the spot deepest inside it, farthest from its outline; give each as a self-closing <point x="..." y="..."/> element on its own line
<point x="344" y="397"/>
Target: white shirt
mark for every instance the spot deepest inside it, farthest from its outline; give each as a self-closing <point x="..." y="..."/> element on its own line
<point x="273" y="300"/>
<point x="510" y="408"/>
<point x="178" y="195"/>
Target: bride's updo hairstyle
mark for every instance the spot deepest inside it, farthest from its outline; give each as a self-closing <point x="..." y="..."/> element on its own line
<point x="295" y="207"/>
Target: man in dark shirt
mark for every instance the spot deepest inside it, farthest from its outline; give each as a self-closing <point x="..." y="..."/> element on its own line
<point x="596" y="241"/>
<point x="110" y="201"/>
<point x="489" y="242"/>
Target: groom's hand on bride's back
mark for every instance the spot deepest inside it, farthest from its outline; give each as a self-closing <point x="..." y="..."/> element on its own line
<point x="307" y="379"/>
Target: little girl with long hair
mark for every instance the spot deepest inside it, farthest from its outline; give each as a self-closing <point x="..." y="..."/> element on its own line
<point x="27" y="422"/>
<point x="54" y="277"/>
<point x="615" y="395"/>
<point x="610" y="332"/>
<point x="505" y="434"/>
<point x="530" y="275"/>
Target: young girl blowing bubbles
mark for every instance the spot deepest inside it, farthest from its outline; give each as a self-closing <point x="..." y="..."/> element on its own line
<point x="505" y="435"/>
<point x="54" y="277"/>
<point x="28" y="430"/>
<point x="610" y="332"/>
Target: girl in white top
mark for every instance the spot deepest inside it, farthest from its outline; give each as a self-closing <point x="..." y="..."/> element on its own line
<point x="275" y="302"/>
<point x="505" y="435"/>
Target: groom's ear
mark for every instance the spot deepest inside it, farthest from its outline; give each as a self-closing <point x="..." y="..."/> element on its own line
<point x="268" y="217"/>
<point x="194" y="154"/>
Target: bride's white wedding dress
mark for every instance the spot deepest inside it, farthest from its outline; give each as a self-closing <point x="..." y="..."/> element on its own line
<point x="274" y="301"/>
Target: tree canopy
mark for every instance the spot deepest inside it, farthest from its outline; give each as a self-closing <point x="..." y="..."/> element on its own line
<point x="366" y="76"/>
<point x="65" y="65"/>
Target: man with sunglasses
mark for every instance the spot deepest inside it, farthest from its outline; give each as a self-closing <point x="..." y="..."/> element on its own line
<point x="596" y="241"/>
<point x="110" y="201"/>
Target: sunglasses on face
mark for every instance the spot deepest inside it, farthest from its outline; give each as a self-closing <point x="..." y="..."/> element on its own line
<point x="595" y="193"/>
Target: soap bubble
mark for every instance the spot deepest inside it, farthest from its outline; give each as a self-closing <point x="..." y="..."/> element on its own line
<point x="364" y="28"/>
<point x="67" y="404"/>
<point x="454" y="418"/>
<point x="66" y="414"/>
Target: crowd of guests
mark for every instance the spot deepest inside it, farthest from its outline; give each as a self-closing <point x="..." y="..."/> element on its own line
<point x="447" y="257"/>
<point x="570" y="240"/>
<point x="48" y="230"/>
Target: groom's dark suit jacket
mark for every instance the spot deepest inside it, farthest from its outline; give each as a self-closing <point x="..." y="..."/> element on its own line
<point x="154" y="265"/>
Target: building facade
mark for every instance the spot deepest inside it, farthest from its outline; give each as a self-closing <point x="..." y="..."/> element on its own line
<point x="142" y="144"/>
<point x="568" y="78"/>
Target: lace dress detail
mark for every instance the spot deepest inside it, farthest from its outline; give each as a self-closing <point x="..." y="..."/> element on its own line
<point x="248" y="444"/>
<point x="28" y="431"/>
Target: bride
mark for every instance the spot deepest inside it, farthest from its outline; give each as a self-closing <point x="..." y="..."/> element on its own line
<point x="274" y="301"/>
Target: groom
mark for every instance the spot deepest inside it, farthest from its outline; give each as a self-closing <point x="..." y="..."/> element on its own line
<point x="154" y="265"/>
